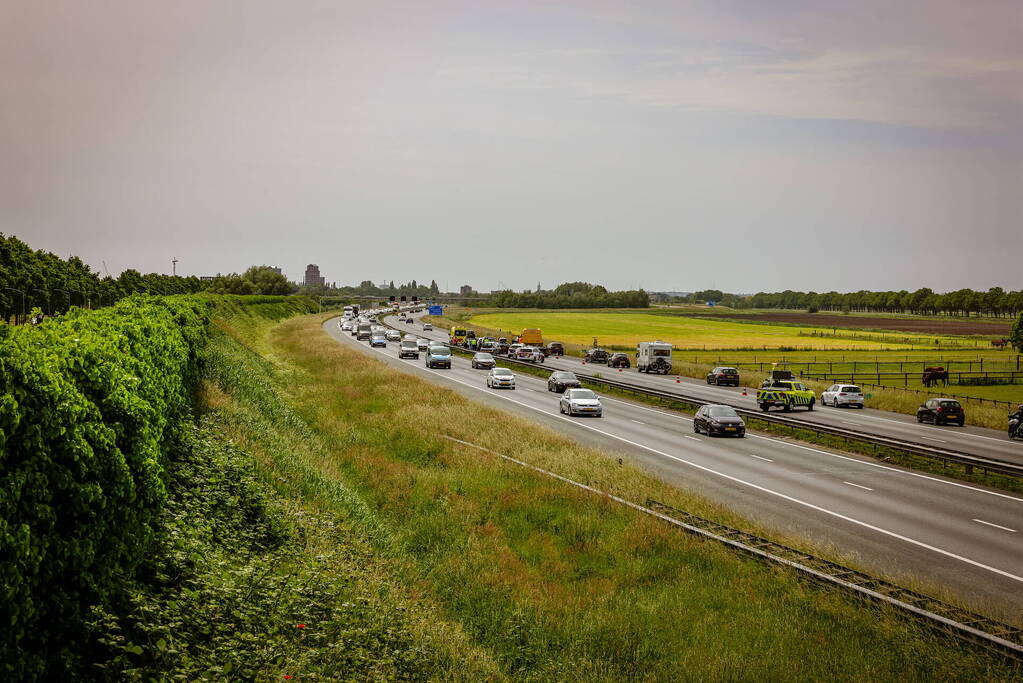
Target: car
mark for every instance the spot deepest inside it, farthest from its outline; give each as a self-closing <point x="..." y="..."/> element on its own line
<point x="346" y="326"/>
<point x="839" y="395"/>
<point x="409" y="321"/>
<point x="408" y="349"/>
<point x="530" y="354"/>
<point x="941" y="411"/>
<point x="719" y="420"/>
<point x="513" y="349"/>
<point x="393" y="335"/>
<point x="500" y="348"/>
<point x="595" y="356"/>
<point x="438" y="357"/>
<point x="580" y="402"/>
<point x="560" y="380"/>
<point x="363" y="332"/>
<point x="483" y="360"/>
<point x="428" y="327"/>
<point x="501" y="378"/>
<point x="487" y="346"/>
<point x="555" y="349"/>
<point x="723" y="376"/>
<point x="618" y="360"/>
<point x="378" y="339"/>
<point x="423" y="344"/>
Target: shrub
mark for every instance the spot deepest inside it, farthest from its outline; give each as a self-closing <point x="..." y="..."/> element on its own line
<point x="90" y="405"/>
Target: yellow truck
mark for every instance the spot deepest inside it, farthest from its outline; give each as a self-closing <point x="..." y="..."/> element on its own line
<point x="531" y="337"/>
<point x="782" y="391"/>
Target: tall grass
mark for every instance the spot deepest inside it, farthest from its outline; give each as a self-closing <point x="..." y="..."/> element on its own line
<point x="531" y="578"/>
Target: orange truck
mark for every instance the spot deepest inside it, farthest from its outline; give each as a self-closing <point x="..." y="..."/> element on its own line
<point x="531" y="337"/>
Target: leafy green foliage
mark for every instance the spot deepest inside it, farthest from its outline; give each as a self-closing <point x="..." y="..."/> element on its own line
<point x="90" y="406"/>
<point x="572" y="295"/>
<point x="1016" y="338"/>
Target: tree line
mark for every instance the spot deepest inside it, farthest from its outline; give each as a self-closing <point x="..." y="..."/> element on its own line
<point x="571" y="295"/>
<point x="995" y="302"/>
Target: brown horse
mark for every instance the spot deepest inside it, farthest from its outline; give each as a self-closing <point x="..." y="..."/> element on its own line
<point x="999" y="343"/>
<point x="934" y="375"/>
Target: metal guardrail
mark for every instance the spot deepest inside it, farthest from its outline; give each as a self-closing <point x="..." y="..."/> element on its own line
<point x="923" y="450"/>
<point x="970" y="626"/>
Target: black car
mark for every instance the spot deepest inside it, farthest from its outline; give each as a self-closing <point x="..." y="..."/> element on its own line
<point x="561" y="380"/>
<point x="555" y="349"/>
<point x="595" y="356"/>
<point x="941" y="411"/>
<point x="719" y="420"/>
<point x="483" y="360"/>
<point x="618" y="360"/>
<point x="723" y="376"/>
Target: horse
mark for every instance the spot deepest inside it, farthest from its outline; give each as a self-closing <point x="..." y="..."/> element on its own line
<point x="999" y="343"/>
<point x="934" y="375"/>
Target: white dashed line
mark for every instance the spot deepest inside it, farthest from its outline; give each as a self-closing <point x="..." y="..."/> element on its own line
<point x="636" y="421"/>
<point x="692" y="437"/>
<point x="760" y="457"/>
<point x="997" y="526"/>
<point x="865" y="488"/>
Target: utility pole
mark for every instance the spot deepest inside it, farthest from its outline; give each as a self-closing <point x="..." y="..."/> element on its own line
<point x="174" y="266"/>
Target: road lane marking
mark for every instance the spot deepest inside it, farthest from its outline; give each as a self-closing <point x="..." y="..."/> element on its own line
<point x="931" y="438"/>
<point x="997" y="526"/>
<point x="865" y="488"/>
<point x="760" y="457"/>
<point x="692" y="437"/>
<point x="636" y="421"/>
<point x="758" y="487"/>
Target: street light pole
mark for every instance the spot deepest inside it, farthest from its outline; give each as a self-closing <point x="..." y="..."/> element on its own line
<point x="22" y="292"/>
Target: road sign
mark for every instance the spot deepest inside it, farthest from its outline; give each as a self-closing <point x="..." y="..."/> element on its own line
<point x="436" y="310"/>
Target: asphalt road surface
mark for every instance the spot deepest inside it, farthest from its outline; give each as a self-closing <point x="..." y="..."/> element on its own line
<point x="988" y="443"/>
<point x="902" y="524"/>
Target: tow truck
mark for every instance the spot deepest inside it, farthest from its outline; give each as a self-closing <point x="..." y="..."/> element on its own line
<point x="782" y="391"/>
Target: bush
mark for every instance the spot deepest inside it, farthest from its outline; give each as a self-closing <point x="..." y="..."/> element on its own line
<point x="90" y="406"/>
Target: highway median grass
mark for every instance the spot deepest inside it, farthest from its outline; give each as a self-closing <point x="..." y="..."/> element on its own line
<point x="525" y="576"/>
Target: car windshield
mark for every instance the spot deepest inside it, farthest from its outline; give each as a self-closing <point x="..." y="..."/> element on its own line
<point x="439" y="351"/>
<point x="503" y="372"/>
<point x="484" y="356"/>
<point x="581" y="393"/>
<point x="852" y="390"/>
<point x="563" y="375"/>
<point x="721" y="411"/>
<point x="408" y="344"/>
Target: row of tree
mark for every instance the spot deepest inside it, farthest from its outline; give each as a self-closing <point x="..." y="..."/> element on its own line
<point x="962" y="302"/>
<point x="366" y="288"/>
<point x="571" y="295"/>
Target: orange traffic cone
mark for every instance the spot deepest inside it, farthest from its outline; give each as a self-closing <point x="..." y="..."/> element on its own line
<point x="678" y="380"/>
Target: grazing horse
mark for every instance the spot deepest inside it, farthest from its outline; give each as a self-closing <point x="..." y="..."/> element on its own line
<point x="934" y="375"/>
<point x="999" y="343"/>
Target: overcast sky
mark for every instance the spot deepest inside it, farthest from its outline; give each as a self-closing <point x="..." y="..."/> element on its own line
<point x="744" y="145"/>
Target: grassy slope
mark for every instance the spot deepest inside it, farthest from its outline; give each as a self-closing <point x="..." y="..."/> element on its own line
<point x="528" y="577"/>
<point x="628" y="329"/>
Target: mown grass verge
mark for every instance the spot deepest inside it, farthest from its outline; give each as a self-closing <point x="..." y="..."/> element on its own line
<point x="530" y="578"/>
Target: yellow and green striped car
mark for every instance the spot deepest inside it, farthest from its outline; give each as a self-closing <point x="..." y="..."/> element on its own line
<point x="785" y="394"/>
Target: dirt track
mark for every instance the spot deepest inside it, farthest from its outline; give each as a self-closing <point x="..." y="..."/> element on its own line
<point x="918" y="325"/>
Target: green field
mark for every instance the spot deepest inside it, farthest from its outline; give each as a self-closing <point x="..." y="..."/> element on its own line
<point x="626" y="329"/>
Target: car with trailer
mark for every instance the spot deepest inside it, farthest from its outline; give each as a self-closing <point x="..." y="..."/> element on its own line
<point x="718" y="420"/>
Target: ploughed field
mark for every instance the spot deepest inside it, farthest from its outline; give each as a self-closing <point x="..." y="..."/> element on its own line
<point x="915" y="325"/>
<point x="626" y="329"/>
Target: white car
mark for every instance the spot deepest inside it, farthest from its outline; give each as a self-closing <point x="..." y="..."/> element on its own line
<point x="347" y="326"/>
<point x="580" y="402"/>
<point x="499" y="378"/>
<point x="428" y="327"/>
<point x="393" y="335"/>
<point x="839" y="395"/>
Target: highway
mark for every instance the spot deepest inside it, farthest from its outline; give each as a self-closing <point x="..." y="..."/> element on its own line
<point x="978" y="441"/>
<point x="890" y="521"/>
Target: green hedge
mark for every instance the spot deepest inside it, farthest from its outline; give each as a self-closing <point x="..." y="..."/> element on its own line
<point x="90" y="406"/>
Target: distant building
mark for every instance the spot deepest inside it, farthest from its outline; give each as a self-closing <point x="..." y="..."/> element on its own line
<point x="465" y="290"/>
<point x="312" y="275"/>
<point x="277" y="270"/>
<point x="207" y="278"/>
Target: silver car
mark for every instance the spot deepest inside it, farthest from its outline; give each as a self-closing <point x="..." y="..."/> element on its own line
<point x="501" y="378"/>
<point x="839" y="395"/>
<point x="393" y="335"/>
<point x="580" y="402"/>
<point x="423" y="344"/>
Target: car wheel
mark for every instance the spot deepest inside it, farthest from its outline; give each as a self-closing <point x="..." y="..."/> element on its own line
<point x="919" y="418"/>
<point x="696" y="430"/>
<point x="809" y="408"/>
<point x="561" y="409"/>
<point x="961" y="422"/>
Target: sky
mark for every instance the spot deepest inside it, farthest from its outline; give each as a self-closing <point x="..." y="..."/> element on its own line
<point x="739" y="145"/>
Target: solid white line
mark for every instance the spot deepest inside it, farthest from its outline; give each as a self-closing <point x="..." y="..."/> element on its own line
<point x="833" y="455"/>
<point x="858" y="486"/>
<point x="637" y="421"/>
<point x="760" y="457"/>
<point x="997" y="526"/>
<point x="931" y="438"/>
<point x="692" y="437"/>
<point x="764" y="489"/>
